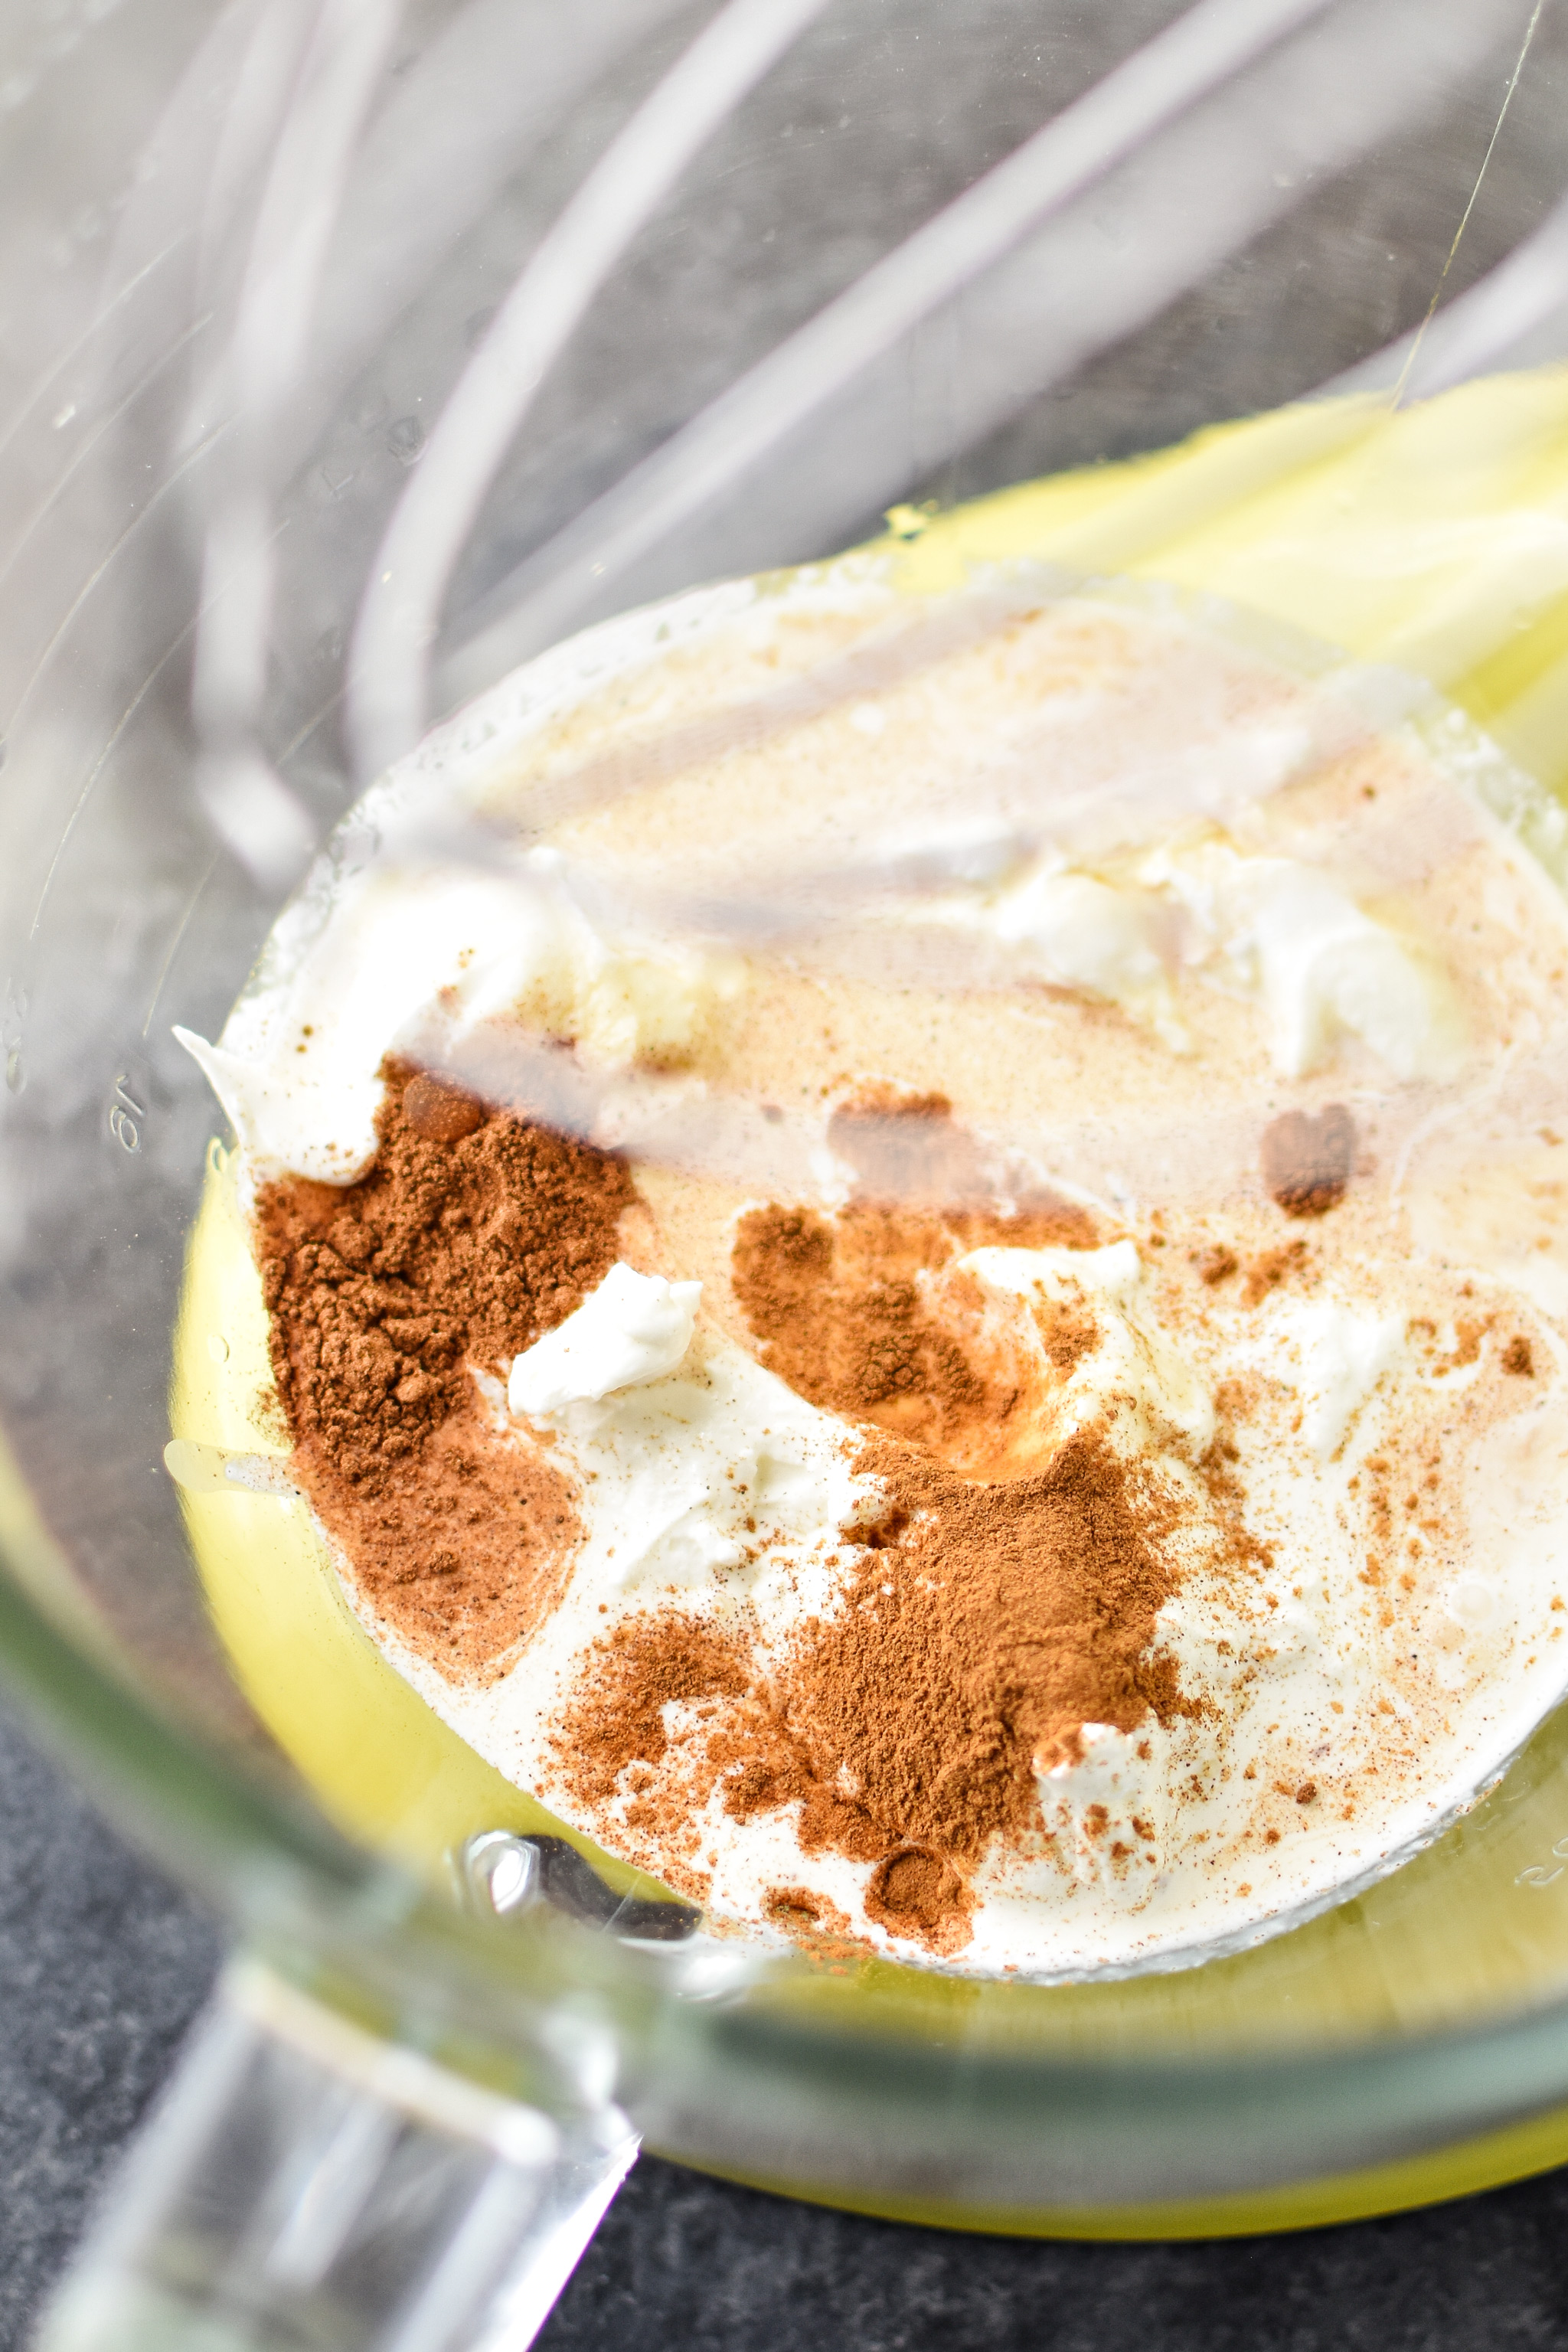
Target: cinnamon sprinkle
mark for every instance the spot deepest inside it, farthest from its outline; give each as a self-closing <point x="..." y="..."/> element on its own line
<point x="841" y="1308"/>
<point x="472" y="1234"/>
<point x="983" y="1627"/>
<point x="984" y="1620"/>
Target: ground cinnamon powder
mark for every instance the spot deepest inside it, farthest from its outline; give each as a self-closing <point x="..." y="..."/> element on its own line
<point x="982" y="1626"/>
<point x="838" y="1314"/>
<point x="1307" y="1158"/>
<point x="836" y="1304"/>
<point x="471" y="1235"/>
<point x="985" y="1621"/>
<point x="978" y="1640"/>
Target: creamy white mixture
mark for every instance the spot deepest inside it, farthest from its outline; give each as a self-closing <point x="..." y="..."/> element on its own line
<point x="1127" y="895"/>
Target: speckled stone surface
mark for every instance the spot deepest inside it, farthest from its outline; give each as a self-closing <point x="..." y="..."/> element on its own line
<point x="102" y="1963"/>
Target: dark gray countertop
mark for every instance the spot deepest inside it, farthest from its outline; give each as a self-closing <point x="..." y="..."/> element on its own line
<point x="102" y="1963"/>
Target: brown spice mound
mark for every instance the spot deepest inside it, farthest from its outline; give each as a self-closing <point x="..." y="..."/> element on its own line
<point x="839" y="1316"/>
<point x="908" y="1147"/>
<point x="838" y="1311"/>
<point x="471" y="1235"/>
<point x="465" y="1557"/>
<point x="616" y="1718"/>
<point x="982" y="1628"/>
<point x="1307" y="1158"/>
<point x="915" y="1893"/>
<point x="440" y="1111"/>
<point x="908" y="1150"/>
<point x="1518" y="1357"/>
<point x="804" y="1913"/>
<point x="1016" y="1613"/>
<point x="837" y="1306"/>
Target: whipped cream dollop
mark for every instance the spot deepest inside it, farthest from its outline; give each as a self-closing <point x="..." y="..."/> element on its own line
<point x="379" y="960"/>
<point x="634" y="1328"/>
<point x="1332" y="1358"/>
<point x="714" y="1481"/>
<point x="1325" y="968"/>
<point x="1272" y="929"/>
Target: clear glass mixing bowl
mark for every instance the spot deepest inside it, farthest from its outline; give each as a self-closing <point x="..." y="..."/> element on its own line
<point x="352" y="354"/>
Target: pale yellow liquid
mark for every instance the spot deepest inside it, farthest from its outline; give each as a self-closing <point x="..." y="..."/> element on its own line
<point x="1436" y="541"/>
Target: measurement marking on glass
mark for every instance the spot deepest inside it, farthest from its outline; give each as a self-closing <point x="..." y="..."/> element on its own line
<point x="125" y="1115"/>
<point x="1537" y="1874"/>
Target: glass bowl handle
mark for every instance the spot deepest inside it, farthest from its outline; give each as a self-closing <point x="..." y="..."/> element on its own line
<point x="304" y="2182"/>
